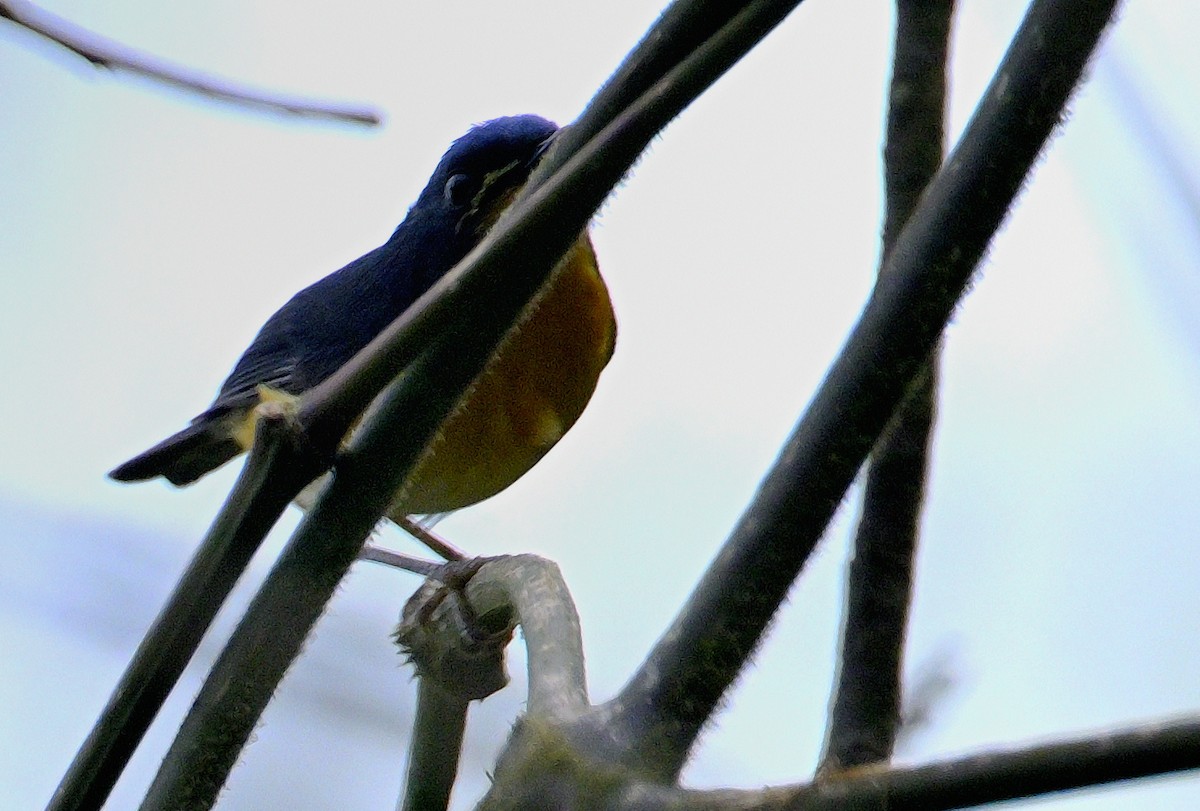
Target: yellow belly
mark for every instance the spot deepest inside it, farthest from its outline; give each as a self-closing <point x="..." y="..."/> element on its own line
<point x="532" y="391"/>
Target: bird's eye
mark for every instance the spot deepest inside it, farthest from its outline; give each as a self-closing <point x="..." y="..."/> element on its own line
<point x="459" y="190"/>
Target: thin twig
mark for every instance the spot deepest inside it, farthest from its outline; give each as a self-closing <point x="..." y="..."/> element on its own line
<point x="110" y="55"/>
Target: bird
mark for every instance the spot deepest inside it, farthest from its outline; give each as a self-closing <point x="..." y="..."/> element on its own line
<point x="532" y="390"/>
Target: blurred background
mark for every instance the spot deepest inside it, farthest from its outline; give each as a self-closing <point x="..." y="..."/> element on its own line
<point x="147" y="234"/>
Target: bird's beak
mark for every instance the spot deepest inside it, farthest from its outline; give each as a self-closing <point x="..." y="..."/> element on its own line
<point x="542" y="149"/>
<point x="501" y="186"/>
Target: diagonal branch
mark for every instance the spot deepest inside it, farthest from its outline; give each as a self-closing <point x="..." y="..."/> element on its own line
<point x="660" y="712"/>
<point x="303" y="580"/>
<point x="865" y="713"/>
<point x="110" y="55"/>
<point x="274" y="473"/>
<point x="681" y="29"/>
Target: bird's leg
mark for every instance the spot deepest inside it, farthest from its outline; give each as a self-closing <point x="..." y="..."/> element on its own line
<point x="433" y="542"/>
<point x="398" y="560"/>
<point x="408" y="563"/>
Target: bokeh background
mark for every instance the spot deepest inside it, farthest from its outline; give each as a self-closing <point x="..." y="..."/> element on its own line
<point x="146" y="235"/>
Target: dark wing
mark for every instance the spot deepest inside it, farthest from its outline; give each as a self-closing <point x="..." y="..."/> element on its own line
<point x="272" y="359"/>
<point x="306" y="341"/>
<point x="320" y="328"/>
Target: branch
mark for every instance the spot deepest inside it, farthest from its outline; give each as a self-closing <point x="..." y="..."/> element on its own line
<point x="865" y="712"/>
<point x="680" y="30"/>
<point x="665" y="705"/>
<point x="1034" y="771"/>
<point x="110" y="55"/>
<point x="549" y="624"/>
<point x="446" y="636"/>
<point x="275" y="472"/>
<point x="303" y="580"/>
<point x="436" y="745"/>
<point x="1031" y="772"/>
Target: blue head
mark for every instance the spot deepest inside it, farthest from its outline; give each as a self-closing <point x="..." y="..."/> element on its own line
<point x="481" y="169"/>
<point x="471" y="185"/>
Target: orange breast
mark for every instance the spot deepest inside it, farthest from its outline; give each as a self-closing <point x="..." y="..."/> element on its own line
<point x="532" y="391"/>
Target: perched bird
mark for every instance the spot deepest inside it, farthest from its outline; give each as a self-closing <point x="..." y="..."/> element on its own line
<point x="532" y="390"/>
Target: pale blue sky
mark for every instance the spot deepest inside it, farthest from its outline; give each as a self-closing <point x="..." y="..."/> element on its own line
<point x="147" y="235"/>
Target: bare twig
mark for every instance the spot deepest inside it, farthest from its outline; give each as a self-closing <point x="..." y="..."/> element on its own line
<point x="1033" y="771"/>
<point x="110" y="55"/>
<point x="436" y="746"/>
<point x="865" y="713"/>
<point x="982" y="779"/>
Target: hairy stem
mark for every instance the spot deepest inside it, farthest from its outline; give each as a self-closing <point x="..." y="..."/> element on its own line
<point x="865" y="713"/>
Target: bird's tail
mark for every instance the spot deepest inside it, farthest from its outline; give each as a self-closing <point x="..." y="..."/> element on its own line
<point x="204" y="445"/>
